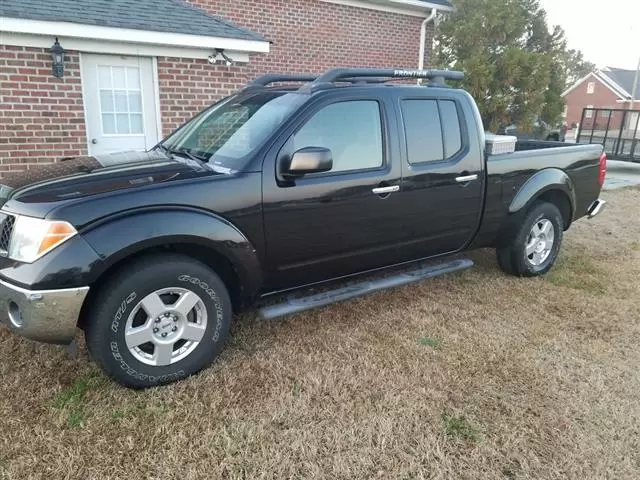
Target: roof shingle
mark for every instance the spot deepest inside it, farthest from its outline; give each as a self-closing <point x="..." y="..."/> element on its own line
<point x="624" y="78"/>
<point x="172" y="16"/>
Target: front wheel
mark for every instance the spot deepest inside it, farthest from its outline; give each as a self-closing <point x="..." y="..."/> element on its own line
<point x="158" y="320"/>
<point x="534" y="248"/>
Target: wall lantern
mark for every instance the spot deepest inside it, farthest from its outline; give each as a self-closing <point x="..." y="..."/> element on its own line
<point x="220" y="57"/>
<point x="57" y="55"/>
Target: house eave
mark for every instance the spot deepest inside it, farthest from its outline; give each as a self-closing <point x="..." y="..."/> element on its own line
<point x="414" y="8"/>
<point x="128" y="36"/>
<point x="603" y="79"/>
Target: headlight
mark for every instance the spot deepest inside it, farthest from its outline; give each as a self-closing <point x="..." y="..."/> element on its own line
<point x="33" y="237"/>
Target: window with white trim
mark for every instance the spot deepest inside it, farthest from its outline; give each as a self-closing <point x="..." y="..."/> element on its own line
<point x="589" y="112"/>
<point x="591" y="87"/>
<point x="120" y="100"/>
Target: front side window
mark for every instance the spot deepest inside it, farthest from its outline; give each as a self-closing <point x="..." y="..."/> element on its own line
<point x="227" y="133"/>
<point x="352" y="130"/>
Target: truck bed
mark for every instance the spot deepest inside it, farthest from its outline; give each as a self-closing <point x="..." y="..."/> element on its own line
<point x="540" y="144"/>
<point x="508" y="173"/>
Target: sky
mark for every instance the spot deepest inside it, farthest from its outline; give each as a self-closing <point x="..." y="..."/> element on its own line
<point x="607" y="31"/>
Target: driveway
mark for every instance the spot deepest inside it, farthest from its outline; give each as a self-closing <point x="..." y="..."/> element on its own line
<point x="621" y="174"/>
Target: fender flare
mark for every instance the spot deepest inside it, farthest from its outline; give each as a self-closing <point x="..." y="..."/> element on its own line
<point x="549" y="179"/>
<point x="118" y="237"/>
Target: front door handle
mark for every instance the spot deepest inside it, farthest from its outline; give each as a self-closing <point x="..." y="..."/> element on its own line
<point x="467" y="178"/>
<point x="386" y="190"/>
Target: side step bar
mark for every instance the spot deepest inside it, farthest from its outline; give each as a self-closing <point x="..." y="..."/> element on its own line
<point x="300" y="304"/>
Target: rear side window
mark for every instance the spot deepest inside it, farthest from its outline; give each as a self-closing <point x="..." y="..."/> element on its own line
<point x="352" y="130"/>
<point x="432" y="130"/>
<point x="450" y="128"/>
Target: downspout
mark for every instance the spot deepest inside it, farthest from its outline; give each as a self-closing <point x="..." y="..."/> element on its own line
<point x="423" y="37"/>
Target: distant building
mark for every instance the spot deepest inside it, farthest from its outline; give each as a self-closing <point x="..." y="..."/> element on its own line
<point x="608" y="88"/>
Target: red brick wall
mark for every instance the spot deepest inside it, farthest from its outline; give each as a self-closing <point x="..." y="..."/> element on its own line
<point x="189" y="85"/>
<point x="602" y="97"/>
<point x="308" y="36"/>
<point x="41" y="117"/>
<point x="311" y="36"/>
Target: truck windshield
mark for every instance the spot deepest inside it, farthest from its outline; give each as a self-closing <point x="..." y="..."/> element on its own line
<point x="225" y="134"/>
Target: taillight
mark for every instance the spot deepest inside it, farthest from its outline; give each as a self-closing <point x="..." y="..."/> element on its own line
<point x="603" y="169"/>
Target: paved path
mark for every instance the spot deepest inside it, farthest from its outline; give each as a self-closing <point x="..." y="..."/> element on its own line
<point x="621" y="174"/>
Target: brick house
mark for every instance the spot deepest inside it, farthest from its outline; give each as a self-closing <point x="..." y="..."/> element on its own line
<point x="607" y="88"/>
<point x="134" y="70"/>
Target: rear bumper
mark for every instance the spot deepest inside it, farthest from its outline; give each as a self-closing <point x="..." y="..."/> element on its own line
<point x="596" y="207"/>
<point x="49" y="316"/>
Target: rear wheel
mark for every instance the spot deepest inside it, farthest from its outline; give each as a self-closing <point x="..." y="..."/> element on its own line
<point x="534" y="248"/>
<point x="158" y="320"/>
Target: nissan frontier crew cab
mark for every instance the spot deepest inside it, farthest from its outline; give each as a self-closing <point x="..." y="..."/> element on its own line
<point x="292" y="182"/>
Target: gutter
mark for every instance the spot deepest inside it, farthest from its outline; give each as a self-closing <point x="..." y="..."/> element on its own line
<point x="423" y="38"/>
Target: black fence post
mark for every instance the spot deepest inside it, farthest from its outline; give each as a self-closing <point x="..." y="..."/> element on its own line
<point x="581" y="126"/>
<point x="606" y="132"/>
<point x="624" y="121"/>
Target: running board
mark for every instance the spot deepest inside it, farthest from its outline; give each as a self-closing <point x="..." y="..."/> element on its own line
<point x="300" y="304"/>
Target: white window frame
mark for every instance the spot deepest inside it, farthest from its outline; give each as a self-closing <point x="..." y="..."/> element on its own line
<point x="589" y="112"/>
<point x="591" y="88"/>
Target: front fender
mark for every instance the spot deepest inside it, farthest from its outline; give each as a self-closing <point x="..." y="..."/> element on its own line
<point x="541" y="182"/>
<point x="118" y="238"/>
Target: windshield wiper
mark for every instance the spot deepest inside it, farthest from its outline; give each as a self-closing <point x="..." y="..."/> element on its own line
<point x="183" y="152"/>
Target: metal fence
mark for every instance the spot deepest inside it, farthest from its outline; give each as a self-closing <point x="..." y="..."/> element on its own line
<point x="614" y="128"/>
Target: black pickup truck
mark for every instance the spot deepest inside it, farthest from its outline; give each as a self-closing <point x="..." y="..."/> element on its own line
<point x="275" y="189"/>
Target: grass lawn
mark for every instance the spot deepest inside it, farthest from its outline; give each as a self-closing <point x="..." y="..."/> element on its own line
<point x="471" y="376"/>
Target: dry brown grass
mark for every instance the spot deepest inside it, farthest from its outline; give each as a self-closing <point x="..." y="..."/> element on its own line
<point x="477" y="375"/>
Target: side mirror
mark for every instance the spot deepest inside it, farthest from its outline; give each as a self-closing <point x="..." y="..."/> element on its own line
<point x="309" y="160"/>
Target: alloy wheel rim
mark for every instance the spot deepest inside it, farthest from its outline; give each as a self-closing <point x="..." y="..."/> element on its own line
<point x="540" y="242"/>
<point x="166" y="326"/>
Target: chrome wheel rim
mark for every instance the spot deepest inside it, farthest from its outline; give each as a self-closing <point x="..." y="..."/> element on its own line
<point x="166" y="326"/>
<point x="540" y="242"/>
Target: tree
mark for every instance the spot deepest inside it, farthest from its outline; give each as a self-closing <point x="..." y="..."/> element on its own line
<point x="516" y="67"/>
<point x="575" y="66"/>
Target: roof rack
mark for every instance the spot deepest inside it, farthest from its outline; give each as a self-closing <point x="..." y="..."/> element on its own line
<point x="344" y="74"/>
<point x="356" y="75"/>
<point x="265" y="80"/>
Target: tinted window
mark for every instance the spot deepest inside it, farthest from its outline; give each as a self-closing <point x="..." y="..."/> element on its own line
<point x="451" y="125"/>
<point x="351" y="130"/>
<point x="423" y="130"/>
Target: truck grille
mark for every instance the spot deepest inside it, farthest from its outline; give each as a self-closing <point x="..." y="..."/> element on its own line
<point x="7" y="222"/>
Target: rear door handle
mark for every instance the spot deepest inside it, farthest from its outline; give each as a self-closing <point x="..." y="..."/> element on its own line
<point x="385" y="190"/>
<point x="466" y="178"/>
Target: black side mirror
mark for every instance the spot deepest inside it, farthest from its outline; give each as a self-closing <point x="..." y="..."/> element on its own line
<point x="309" y="160"/>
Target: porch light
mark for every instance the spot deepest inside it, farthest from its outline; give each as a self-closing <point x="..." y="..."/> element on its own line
<point x="57" y="55"/>
<point x="220" y="57"/>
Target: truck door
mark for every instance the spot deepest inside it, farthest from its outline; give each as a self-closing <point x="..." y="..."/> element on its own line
<point x="347" y="220"/>
<point x="443" y="169"/>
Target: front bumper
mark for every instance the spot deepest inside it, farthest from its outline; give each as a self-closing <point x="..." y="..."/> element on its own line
<point x="49" y="316"/>
<point x="596" y="208"/>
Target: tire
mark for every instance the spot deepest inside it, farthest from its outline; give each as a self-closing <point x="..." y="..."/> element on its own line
<point x="160" y="319"/>
<point x="534" y="247"/>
